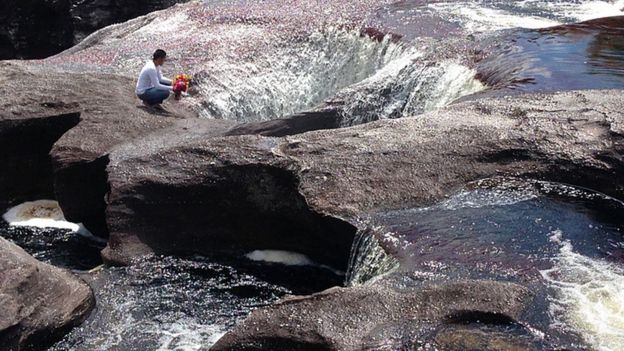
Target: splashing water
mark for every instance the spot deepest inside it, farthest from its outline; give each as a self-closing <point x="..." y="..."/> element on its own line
<point x="589" y="296"/>
<point x="297" y="76"/>
<point x="165" y="303"/>
<point x="44" y="214"/>
<point x="368" y="260"/>
<point x="379" y="79"/>
<point x="407" y="86"/>
<point x="505" y="229"/>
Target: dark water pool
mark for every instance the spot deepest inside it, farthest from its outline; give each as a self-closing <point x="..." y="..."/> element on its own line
<point x="565" y="244"/>
<point x="510" y="230"/>
<point x="580" y="56"/>
<point x="58" y="247"/>
<point x="164" y="303"/>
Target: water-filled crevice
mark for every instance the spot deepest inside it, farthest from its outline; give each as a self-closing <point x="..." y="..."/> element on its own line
<point x="81" y="189"/>
<point x="564" y="243"/>
<point x="25" y="144"/>
<point x="233" y="209"/>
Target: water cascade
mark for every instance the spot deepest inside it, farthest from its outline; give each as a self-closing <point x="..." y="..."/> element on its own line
<point x="377" y="79"/>
<point x="564" y="242"/>
<point x="368" y="259"/>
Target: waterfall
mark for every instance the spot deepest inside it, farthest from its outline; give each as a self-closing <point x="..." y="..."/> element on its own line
<point x="368" y="259"/>
<point x="374" y="79"/>
<point x="589" y="296"/>
<point x="408" y="86"/>
<point x="294" y="77"/>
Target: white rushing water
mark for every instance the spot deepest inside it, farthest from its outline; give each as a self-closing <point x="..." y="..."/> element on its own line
<point x="296" y="77"/>
<point x="187" y="335"/>
<point x="407" y="86"/>
<point x="589" y="296"/>
<point x="278" y="256"/>
<point x="375" y="79"/>
<point x="477" y="16"/>
<point x="368" y="260"/>
<point x="43" y="214"/>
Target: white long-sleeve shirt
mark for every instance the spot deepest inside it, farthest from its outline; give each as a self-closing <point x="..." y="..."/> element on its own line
<point x="151" y="77"/>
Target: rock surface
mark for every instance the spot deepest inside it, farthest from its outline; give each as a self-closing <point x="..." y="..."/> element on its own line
<point x="305" y="192"/>
<point x="374" y="317"/>
<point x="109" y="115"/>
<point x="39" y="302"/>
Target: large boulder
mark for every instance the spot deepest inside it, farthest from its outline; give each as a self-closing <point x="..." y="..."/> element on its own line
<point x="447" y="316"/>
<point x="305" y="192"/>
<point x="70" y="123"/>
<point x="39" y="302"/>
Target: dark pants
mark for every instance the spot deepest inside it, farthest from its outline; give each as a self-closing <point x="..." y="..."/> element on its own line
<point x="153" y="96"/>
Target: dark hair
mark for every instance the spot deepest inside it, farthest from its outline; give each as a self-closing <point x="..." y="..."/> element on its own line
<point x="159" y="54"/>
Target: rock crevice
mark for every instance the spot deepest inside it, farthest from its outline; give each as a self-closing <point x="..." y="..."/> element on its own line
<point x="27" y="173"/>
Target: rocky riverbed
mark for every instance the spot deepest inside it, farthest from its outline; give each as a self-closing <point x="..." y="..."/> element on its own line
<point x="354" y="175"/>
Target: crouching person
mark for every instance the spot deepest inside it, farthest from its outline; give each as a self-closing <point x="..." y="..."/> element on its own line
<point x="152" y="88"/>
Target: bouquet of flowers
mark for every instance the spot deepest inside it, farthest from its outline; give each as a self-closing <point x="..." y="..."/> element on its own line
<point x="181" y="84"/>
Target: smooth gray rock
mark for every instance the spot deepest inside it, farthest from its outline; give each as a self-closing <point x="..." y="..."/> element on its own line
<point x="305" y="192"/>
<point x="39" y="302"/>
<point x="378" y="318"/>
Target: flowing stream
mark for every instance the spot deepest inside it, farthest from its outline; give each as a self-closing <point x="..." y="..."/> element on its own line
<point x="159" y="303"/>
<point x="564" y="242"/>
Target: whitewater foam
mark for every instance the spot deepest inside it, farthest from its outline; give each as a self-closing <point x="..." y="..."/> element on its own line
<point x="296" y="77"/>
<point x="43" y="214"/>
<point x="589" y="296"/>
<point x="477" y="16"/>
<point x="407" y="86"/>
<point x="283" y="257"/>
<point x="187" y="335"/>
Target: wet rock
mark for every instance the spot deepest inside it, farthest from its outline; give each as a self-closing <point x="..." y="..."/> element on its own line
<point x="109" y="115"/>
<point x="39" y="302"/>
<point x="212" y="205"/>
<point x="471" y="339"/>
<point x="375" y="317"/>
<point x="300" y="193"/>
<point x="295" y="124"/>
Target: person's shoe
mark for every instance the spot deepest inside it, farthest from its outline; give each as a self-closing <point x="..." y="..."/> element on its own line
<point x="146" y="104"/>
<point x="158" y="107"/>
